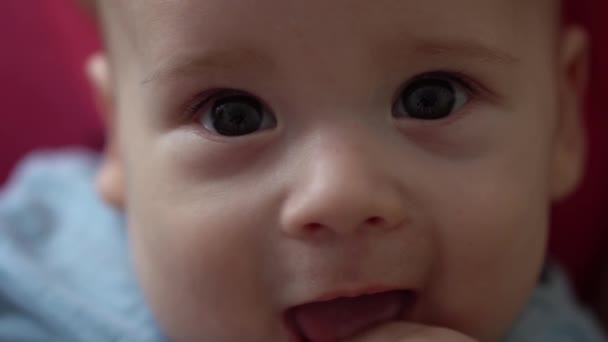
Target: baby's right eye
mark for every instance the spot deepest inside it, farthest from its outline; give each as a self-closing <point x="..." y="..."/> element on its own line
<point x="235" y="115"/>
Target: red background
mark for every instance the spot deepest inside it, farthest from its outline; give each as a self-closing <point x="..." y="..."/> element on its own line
<point x="46" y="103"/>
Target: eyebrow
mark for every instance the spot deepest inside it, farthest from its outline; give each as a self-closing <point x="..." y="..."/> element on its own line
<point x="226" y="59"/>
<point x="235" y="59"/>
<point x="466" y="50"/>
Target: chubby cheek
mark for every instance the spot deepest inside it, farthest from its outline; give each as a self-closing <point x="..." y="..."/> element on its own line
<point x="200" y="262"/>
<point x="491" y="236"/>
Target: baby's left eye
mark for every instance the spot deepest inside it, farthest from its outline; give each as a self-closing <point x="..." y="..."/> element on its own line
<point x="431" y="97"/>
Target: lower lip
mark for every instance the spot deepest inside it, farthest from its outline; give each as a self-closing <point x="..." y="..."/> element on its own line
<point x="295" y="335"/>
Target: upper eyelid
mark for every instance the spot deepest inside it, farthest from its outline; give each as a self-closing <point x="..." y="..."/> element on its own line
<point x="472" y="86"/>
<point x="207" y="99"/>
<point x="209" y="96"/>
<point x="203" y="99"/>
<point x="457" y="77"/>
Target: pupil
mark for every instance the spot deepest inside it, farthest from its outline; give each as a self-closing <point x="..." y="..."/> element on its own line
<point x="429" y="99"/>
<point x="236" y="116"/>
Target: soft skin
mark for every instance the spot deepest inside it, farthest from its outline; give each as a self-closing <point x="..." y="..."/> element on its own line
<point x="341" y="194"/>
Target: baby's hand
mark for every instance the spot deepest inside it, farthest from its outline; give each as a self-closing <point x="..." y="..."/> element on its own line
<point x="410" y="332"/>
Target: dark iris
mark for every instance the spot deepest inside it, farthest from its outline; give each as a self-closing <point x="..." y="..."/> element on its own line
<point x="429" y="99"/>
<point x="237" y="115"/>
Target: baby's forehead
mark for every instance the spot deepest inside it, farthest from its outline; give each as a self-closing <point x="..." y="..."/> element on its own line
<point x="139" y="7"/>
<point x="160" y="27"/>
<point x="543" y="11"/>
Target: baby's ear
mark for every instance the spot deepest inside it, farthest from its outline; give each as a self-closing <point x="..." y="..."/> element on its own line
<point x="570" y="138"/>
<point x="110" y="176"/>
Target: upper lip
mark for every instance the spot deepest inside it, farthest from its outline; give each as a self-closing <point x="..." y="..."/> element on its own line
<point x="351" y="291"/>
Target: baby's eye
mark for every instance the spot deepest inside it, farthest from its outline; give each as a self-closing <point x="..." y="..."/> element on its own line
<point x="431" y="97"/>
<point x="236" y="115"/>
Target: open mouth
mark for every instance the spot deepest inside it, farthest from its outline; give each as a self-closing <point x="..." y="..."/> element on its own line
<point x="344" y="317"/>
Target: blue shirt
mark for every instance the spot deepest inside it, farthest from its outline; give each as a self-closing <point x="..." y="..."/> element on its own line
<point x="65" y="273"/>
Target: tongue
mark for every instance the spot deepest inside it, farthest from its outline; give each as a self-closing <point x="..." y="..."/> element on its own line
<point x="344" y="317"/>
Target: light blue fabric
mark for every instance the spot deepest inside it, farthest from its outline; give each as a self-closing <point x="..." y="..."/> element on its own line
<point x="553" y="315"/>
<point x="65" y="273"/>
<point x="64" y="267"/>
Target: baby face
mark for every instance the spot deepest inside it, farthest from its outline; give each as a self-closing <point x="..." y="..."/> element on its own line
<point x="275" y="156"/>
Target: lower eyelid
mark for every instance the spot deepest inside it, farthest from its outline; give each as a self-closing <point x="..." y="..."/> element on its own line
<point x="470" y="93"/>
<point x="471" y="107"/>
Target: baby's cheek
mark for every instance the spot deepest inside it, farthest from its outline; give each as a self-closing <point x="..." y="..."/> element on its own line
<point x="192" y="259"/>
<point x="491" y="251"/>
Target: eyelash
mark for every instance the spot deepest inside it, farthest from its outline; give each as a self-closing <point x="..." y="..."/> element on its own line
<point x="473" y="89"/>
<point x="471" y="86"/>
<point x="207" y="98"/>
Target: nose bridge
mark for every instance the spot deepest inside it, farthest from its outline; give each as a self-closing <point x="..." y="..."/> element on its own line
<point x="342" y="170"/>
<point x="346" y="160"/>
<point x="344" y="186"/>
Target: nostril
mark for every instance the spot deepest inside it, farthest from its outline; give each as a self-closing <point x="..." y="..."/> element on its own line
<point x="375" y="221"/>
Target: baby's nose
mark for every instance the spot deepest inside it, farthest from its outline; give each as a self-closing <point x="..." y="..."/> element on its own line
<point x="343" y="193"/>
